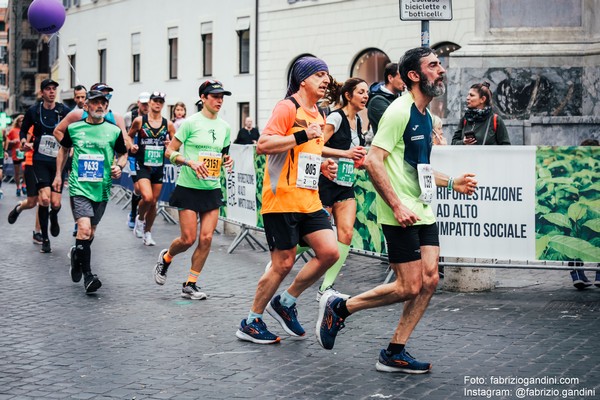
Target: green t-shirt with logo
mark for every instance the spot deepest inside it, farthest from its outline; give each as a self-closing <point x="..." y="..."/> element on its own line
<point x="94" y="151"/>
<point x="203" y="139"/>
<point x="405" y="134"/>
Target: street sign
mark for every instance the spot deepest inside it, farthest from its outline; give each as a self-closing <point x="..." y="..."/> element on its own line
<point x="429" y="10"/>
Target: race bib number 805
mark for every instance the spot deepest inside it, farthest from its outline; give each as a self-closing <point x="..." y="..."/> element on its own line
<point x="309" y="167"/>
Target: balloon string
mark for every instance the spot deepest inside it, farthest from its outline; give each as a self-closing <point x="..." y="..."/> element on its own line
<point x="62" y="48"/>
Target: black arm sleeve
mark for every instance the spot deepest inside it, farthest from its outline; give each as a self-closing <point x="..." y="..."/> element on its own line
<point x="66" y="140"/>
<point x="225" y="150"/>
<point x="120" y="147"/>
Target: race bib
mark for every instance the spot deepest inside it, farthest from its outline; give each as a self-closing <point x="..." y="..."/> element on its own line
<point x="48" y="146"/>
<point x="308" y="171"/>
<point x="345" y="172"/>
<point x="153" y="156"/>
<point x="212" y="160"/>
<point x="426" y="182"/>
<point x="90" y="168"/>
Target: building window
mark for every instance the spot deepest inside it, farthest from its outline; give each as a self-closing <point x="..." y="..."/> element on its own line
<point x="173" y="58"/>
<point x="243" y="112"/>
<point x="72" y="74"/>
<point x="439" y="105"/>
<point x="135" y="54"/>
<point x="244" y="51"/>
<point x="173" y="33"/>
<point x="136" y="67"/>
<point x="370" y="66"/>
<point x="2" y="79"/>
<point x="207" y="53"/>
<point x="102" y="65"/>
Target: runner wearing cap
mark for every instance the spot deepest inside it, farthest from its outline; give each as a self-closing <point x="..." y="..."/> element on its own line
<point x="206" y="138"/>
<point x="78" y="114"/>
<point x="95" y="142"/>
<point x="292" y="210"/>
<point x="154" y="133"/>
<point x="141" y="109"/>
<point x="44" y="116"/>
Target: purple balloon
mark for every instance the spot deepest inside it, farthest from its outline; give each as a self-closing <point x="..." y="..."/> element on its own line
<point x="46" y="16"/>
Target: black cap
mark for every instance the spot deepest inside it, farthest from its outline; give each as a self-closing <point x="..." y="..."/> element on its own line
<point x="47" y="82"/>
<point x="212" y="87"/>
<point x="101" y="86"/>
<point x="157" y="95"/>
<point x="94" y="94"/>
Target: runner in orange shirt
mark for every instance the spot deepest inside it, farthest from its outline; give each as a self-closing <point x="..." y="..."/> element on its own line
<point x="292" y="210"/>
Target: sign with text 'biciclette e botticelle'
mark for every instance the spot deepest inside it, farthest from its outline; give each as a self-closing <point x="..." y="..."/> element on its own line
<point x="426" y="10"/>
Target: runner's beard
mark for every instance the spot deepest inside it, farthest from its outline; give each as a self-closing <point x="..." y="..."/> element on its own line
<point x="432" y="89"/>
<point x="97" y="115"/>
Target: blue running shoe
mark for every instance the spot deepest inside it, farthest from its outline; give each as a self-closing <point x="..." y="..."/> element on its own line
<point x="286" y="316"/>
<point x="256" y="332"/>
<point x="130" y="221"/>
<point x="402" y="362"/>
<point x="580" y="281"/>
<point x="328" y="323"/>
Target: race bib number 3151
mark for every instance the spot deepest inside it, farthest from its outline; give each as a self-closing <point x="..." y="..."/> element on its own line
<point x="212" y="160"/>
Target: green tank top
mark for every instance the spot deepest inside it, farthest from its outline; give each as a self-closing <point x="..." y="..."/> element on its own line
<point x="93" y="157"/>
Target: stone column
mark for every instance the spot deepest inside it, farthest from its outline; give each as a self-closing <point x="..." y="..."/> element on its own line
<point x="469" y="279"/>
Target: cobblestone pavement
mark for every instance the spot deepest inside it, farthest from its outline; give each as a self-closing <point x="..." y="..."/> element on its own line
<point x="134" y="339"/>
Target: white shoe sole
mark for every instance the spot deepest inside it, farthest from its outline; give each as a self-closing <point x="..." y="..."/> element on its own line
<point x="242" y="336"/>
<point x="384" y="368"/>
<point x="200" y="296"/>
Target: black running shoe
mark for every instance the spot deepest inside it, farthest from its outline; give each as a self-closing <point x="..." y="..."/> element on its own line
<point x="37" y="238"/>
<point x="46" y="247"/>
<point x="75" y="269"/>
<point x="13" y="215"/>
<point x="54" y="227"/>
<point x="91" y="283"/>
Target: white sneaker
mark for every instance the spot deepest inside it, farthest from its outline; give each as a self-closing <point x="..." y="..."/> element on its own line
<point x="138" y="229"/>
<point x="192" y="292"/>
<point x="330" y="289"/>
<point x="148" y="241"/>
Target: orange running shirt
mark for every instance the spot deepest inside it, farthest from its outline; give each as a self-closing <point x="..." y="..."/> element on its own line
<point x="280" y="193"/>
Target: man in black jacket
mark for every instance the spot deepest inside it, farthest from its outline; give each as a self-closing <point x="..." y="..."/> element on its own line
<point x="383" y="95"/>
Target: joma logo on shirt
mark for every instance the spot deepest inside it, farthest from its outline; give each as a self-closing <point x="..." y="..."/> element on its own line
<point x="417" y="137"/>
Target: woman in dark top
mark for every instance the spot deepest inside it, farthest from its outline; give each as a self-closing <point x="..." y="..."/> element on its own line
<point x="480" y="126"/>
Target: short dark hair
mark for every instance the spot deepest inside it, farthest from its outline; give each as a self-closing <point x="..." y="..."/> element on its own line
<point x="390" y="69"/>
<point x="411" y="61"/>
<point x="79" y="87"/>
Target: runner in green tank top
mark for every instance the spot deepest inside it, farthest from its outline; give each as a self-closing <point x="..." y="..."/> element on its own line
<point x="95" y="143"/>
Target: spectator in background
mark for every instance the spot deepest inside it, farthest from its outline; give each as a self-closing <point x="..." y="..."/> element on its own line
<point x="248" y="134"/>
<point x="480" y="125"/>
<point x="381" y="96"/>
<point x="580" y="281"/>
<point x="79" y="93"/>
<point x="179" y="114"/>
<point x="438" y="132"/>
